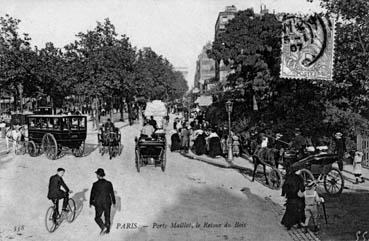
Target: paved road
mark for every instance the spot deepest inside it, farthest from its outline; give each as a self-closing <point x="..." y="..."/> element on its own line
<point x="190" y="201"/>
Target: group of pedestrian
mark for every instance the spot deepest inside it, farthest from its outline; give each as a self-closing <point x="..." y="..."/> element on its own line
<point x="102" y="197"/>
<point x="203" y="138"/>
<point x="301" y="203"/>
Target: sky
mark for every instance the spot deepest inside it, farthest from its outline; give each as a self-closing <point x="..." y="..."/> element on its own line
<point x="176" y="29"/>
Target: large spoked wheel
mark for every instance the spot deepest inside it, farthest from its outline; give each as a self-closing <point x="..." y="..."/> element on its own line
<point x="275" y="179"/>
<point x="50" y="146"/>
<point x="71" y="210"/>
<point x="78" y="152"/>
<point x="32" y="149"/>
<point x="50" y="224"/>
<point x="163" y="161"/>
<point x="307" y="176"/>
<point x="333" y="181"/>
<point x="138" y="161"/>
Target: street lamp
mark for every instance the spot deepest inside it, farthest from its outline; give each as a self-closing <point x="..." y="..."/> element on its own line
<point x="229" y="107"/>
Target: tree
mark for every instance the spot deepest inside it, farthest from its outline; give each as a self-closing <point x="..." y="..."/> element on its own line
<point x="17" y="60"/>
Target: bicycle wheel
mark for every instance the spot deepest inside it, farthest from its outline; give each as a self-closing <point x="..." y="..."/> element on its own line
<point x="49" y="222"/>
<point x="71" y="210"/>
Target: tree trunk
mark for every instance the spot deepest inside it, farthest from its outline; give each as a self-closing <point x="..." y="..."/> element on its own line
<point x="129" y="111"/>
<point x="121" y="109"/>
<point x="52" y="105"/>
<point x="15" y="103"/>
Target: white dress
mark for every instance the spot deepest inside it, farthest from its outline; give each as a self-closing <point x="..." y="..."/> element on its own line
<point x="357" y="162"/>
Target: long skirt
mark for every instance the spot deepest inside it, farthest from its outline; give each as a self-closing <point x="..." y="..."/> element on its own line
<point x="176" y="142"/>
<point x="199" y="146"/>
<point x="295" y="212"/>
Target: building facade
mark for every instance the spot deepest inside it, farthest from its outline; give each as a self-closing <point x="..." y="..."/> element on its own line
<point x="205" y="70"/>
<point x="222" y="70"/>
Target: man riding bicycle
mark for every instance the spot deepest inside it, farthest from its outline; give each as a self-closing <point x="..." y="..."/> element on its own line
<point x="55" y="193"/>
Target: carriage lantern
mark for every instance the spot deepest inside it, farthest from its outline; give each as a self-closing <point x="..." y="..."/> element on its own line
<point x="229" y="107"/>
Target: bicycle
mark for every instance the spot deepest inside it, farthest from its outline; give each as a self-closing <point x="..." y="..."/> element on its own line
<point x="52" y="222"/>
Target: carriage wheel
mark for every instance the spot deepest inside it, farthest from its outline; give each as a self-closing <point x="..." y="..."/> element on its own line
<point x="307" y="176"/>
<point x="32" y="149"/>
<point x="50" y="146"/>
<point x="138" y="161"/>
<point x="333" y="181"/>
<point x="275" y="179"/>
<point x="163" y="161"/>
<point x="78" y="152"/>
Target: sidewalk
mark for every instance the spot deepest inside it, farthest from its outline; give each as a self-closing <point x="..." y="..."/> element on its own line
<point x="245" y="165"/>
<point x="3" y="150"/>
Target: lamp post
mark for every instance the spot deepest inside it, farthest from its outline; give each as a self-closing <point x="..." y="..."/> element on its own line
<point x="229" y="107"/>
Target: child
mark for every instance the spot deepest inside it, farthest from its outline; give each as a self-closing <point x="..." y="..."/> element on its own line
<point x="223" y="143"/>
<point x="356" y="165"/>
<point x="236" y="146"/>
<point x="312" y="200"/>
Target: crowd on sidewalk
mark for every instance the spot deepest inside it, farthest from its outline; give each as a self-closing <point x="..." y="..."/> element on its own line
<point x="203" y="138"/>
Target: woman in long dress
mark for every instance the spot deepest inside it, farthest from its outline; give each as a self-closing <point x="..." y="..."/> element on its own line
<point x="199" y="146"/>
<point x="295" y="205"/>
<point x="176" y="141"/>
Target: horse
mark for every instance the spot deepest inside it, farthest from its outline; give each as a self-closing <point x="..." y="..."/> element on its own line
<point x="264" y="156"/>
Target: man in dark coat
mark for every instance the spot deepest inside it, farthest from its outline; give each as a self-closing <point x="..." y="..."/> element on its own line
<point x="340" y="149"/>
<point x="55" y="193"/>
<point x="102" y="196"/>
<point x="152" y="122"/>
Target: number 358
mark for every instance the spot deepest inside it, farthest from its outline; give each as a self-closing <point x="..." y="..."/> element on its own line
<point x="18" y="228"/>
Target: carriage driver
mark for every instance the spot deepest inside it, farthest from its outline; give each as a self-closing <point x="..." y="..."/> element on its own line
<point x="147" y="130"/>
<point x="55" y="193"/>
<point x="109" y="125"/>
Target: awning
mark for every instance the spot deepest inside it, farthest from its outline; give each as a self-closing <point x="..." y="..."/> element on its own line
<point x="204" y="100"/>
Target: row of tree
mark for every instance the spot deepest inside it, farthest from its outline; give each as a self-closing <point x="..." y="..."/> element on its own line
<point x="98" y="64"/>
<point x="251" y="45"/>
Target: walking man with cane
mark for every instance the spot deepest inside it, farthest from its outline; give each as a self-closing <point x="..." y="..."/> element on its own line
<point x="102" y="196"/>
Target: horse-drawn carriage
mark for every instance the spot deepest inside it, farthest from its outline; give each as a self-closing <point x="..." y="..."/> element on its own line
<point x="53" y="134"/>
<point x="110" y="141"/>
<point x="151" y="151"/>
<point x="315" y="164"/>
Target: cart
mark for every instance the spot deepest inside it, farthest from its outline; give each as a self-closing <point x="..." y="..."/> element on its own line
<point x="150" y="151"/>
<point x="55" y="134"/>
<point x="318" y="167"/>
<point x="110" y="141"/>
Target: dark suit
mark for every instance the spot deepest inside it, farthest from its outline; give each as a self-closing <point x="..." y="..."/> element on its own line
<point x="102" y="196"/>
<point x="55" y="193"/>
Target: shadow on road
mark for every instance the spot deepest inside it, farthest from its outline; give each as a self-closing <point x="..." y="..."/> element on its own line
<point x="347" y="214"/>
<point x="89" y="148"/>
<point x="80" y="198"/>
<point x="214" y="207"/>
<point x="117" y="208"/>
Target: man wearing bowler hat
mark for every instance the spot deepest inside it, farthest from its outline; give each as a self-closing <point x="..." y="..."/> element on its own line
<point x="102" y="196"/>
